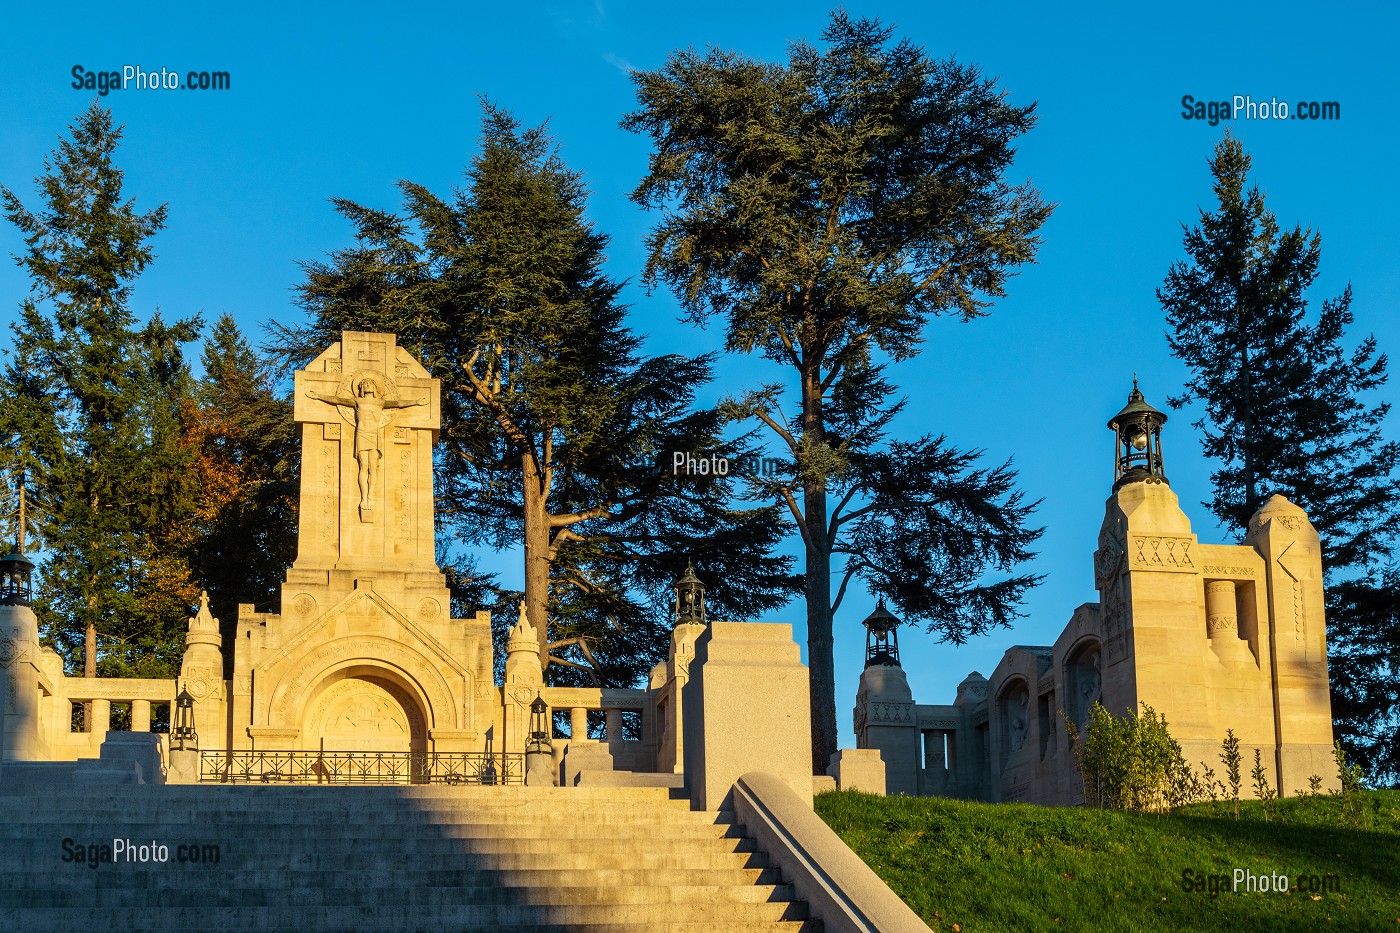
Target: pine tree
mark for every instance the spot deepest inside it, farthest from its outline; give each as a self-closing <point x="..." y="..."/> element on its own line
<point x="1286" y="410"/>
<point x="90" y="397"/>
<point x="825" y="210"/>
<point x="553" y="424"/>
<point x="243" y="439"/>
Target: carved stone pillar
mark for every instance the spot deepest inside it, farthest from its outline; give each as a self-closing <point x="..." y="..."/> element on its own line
<point x="1222" y="623"/>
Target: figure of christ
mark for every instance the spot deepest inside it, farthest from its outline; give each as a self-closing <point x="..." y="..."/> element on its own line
<point x="370" y="422"/>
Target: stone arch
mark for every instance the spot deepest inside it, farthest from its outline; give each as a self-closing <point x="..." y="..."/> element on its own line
<point x="1083" y="679"/>
<point x="1013" y="707"/>
<point x="363" y="708"/>
<point x="390" y="661"/>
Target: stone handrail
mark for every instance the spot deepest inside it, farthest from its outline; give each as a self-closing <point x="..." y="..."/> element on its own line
<point x="840" y="889"/>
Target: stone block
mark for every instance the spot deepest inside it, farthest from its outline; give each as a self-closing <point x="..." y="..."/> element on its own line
<point x="859" y="769"/>
<point x="747" y="708"/>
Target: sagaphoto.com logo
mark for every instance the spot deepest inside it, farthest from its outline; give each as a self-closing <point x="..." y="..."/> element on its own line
<point x="1246" y="107"/>
<point x="135" y="77"/>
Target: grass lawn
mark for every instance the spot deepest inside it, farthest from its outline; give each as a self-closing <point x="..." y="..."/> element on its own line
<point x="1025" y="869"/>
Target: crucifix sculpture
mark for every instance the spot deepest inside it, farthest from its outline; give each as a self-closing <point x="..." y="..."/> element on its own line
<point x="371" y="419"/>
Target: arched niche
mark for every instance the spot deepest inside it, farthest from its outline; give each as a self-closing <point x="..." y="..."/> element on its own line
<point x="1014" y="712"/>
<point x="1083" y="680"/>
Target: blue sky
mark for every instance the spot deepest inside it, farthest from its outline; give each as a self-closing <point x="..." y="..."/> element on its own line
<point x="342" y="100"/>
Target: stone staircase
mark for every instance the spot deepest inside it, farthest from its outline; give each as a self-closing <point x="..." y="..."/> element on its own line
<point x="382" y="859"/>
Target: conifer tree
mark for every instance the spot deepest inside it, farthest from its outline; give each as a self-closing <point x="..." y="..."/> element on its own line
<point x="553" y="423"/>
<point x="91" y="399"/>
<point x="824" y="210"/>
<point x="1287" y="409"/>
<point x="244" y="443"/>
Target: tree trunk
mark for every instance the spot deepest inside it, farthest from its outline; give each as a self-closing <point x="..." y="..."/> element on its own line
<point x="820" y="657"/>
<point x="89" y="669"/>
<point x="537" y="554"/>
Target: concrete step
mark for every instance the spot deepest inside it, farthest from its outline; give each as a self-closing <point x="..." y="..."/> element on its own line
<point x="251" y="851"/>
<point x="124" y="921"/>
<point x="335" y="859"/>
<point x="409" y="895"/>
<point x="350" y="830"/>
<point x="398" y="917"/>
<point x="211" y="878"/>
<point x="392" y="860"/>
<point x="378" y="827"/>
<point x="343" y="795"/>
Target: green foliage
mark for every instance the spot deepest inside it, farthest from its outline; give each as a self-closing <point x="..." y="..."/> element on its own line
<point x="1230" y="757"/>
<point x="553" y="423"/>
<point x="1363" y="640"/>
<point x="1260" y="779"/>
<point x="93" y="402"/>
<point x="1349" y="792"/>
<point x="243" y="438"/>
<point x="1132" y="762"/>
<point x="825" y="209"/>
<point x="995" y="867"/>
<point x="1286" y="410"/>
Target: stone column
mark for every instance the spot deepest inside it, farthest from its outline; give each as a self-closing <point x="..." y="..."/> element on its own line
<point x="1222" y="624"/>
<point x="101" y="717"/>
<point x="578" y="724"/>
<point x="885" y="720"/>
<point x="671" y="754"/>
<point x="140" y="715"/>
<point x="202" y="674"/>
<point x="523" y="682"/>
<point x="20" y="733"/>
<point x="1297" y="635"/>
<point x="614" y="733"/>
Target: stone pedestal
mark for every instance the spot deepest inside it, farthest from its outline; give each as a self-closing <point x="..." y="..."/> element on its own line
<point x="859" y="769"/>
<point x="539" y="769"/>
<point x="747" y="708"/>
<point x="126" y="758"/>
<point x="184" y="767"/>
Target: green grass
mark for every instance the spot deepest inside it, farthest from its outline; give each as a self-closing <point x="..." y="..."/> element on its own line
<point x="1025" y="869"/>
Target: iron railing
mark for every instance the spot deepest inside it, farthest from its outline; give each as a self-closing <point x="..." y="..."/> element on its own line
<point x="245" y="766"/>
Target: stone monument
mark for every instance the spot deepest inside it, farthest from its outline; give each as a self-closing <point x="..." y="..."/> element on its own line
<point x="364" y="654"/>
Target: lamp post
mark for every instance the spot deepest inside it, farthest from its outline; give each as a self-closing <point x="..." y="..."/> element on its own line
<point x="1137" y="440"/>
<point x="539" y="749"/>
<point x="183" y="736"/>
<point x="881" y="637"/>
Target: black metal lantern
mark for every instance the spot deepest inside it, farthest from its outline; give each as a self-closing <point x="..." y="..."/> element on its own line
<point x="16" y="574"/>
<point x="182" y="734"/>
<point x="1137" y="433"/>
<point x="881" y="637"/>
<point x="540" y="726"/>
<point x="690" y="598"/>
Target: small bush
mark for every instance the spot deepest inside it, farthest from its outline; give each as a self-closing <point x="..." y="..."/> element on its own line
<point x="1230" y="758"/>
<point x="1132" y="762"/>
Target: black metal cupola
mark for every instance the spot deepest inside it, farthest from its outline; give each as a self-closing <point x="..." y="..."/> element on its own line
<point x="16" y="575"/>
<point x="881" y="637"/>
<point x="16" y="570"/>
<point x="1137" y="434"/>
<point x="690" y="598"/>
